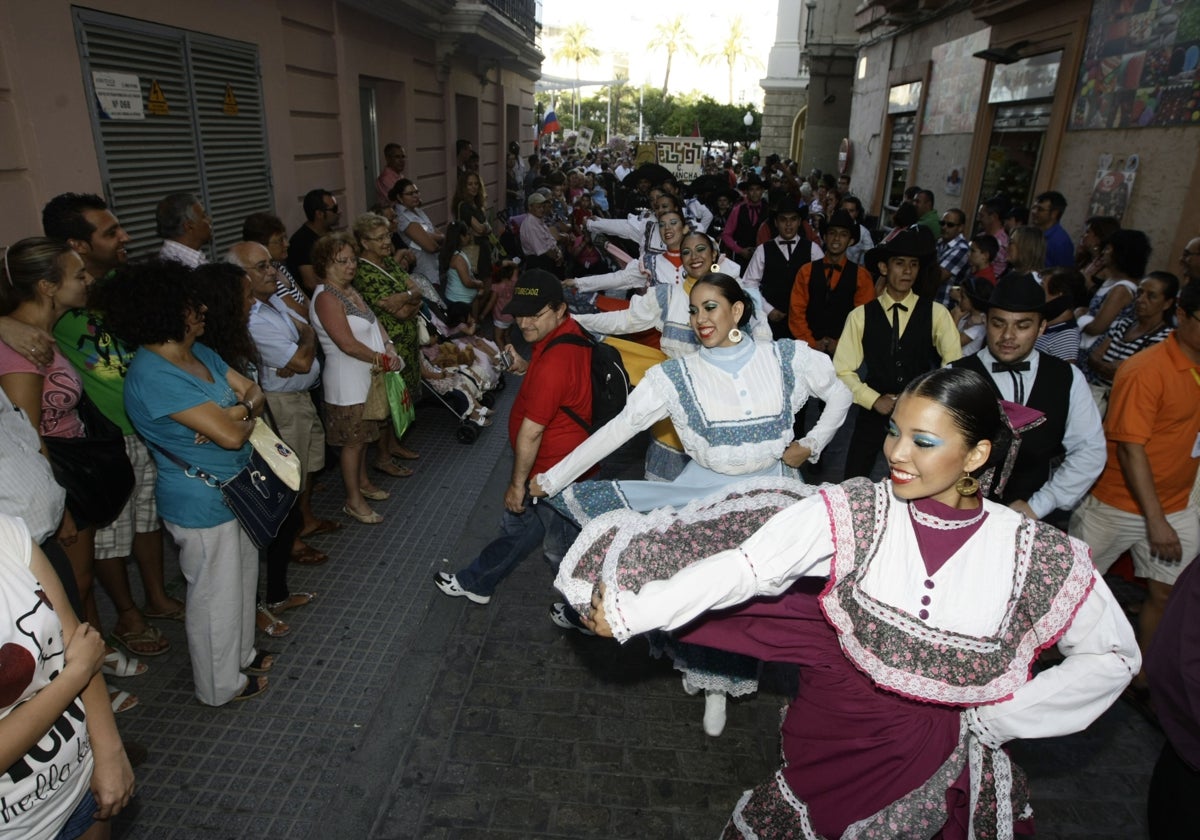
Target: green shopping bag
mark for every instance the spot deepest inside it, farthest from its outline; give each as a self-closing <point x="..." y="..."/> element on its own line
<point x="400" y="401"/>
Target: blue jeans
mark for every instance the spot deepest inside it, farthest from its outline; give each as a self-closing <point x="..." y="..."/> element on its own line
<point x="520" y="533"/>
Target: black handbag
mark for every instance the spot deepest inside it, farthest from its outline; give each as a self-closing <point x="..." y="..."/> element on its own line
<point x="93" y="469"/>
<point x="259" y="498"/>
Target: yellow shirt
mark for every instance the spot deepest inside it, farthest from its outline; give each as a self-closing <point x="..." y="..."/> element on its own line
<point x="848" y="357"/>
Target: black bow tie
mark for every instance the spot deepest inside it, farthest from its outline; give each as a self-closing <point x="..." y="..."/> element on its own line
<point x="787" y="241"/>
<point x="1000" y="367"/>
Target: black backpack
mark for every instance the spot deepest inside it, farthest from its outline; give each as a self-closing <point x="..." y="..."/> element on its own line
<point x="610" y="381"/>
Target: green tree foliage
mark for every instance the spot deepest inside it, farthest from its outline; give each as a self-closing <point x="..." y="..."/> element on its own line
<point x="575" y="46"/>
<point x="671" y="37"/>
<point x="735" y="49"/>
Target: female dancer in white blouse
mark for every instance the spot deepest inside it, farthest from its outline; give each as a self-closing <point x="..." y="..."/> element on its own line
<point x="916" y="640"/>
<point x="733" y="405"/>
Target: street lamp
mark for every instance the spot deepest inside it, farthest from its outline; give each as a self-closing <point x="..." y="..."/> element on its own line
<point x="748" y="120"/>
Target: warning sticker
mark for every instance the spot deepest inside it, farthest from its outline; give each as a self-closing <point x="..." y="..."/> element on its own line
<point x="119" y="95"/>
<point x="157" y="103"/>
<point x="231" y="106"/>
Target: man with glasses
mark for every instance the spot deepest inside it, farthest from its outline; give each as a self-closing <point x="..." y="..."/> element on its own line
<point x="1190" y="262"/>
<point x="323" y="215"/>
<point x="289" y="370"/>
<point x="952" y="252"/>
<point x="556" y="381"/>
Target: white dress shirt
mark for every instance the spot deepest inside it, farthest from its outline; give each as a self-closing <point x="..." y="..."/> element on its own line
<point x="1083" y="439"/>
<point x="752" y="279"/>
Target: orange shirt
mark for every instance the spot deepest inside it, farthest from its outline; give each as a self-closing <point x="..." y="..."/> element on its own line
<point x="1155" y="402"/>
<point x="864" y="292"/>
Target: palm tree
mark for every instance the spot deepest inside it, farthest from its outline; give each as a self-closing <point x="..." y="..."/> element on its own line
<point x="575" y="48"/>
<point x="671" y="36"/>
<point x="735" y="49"/>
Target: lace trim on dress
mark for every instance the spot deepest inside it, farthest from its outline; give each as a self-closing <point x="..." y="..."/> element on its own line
<point x="932" y="520"/>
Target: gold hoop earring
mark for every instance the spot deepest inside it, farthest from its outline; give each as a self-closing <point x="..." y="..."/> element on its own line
<point x="968" y="485"/>
<point x="735" y="335"/>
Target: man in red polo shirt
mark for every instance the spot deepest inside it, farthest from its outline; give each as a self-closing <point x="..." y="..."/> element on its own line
<point x="541" y="433"/>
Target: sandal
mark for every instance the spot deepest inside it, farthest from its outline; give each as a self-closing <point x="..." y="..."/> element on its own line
<point x="262" y="662"/>
<point x="254" y="687"/>
<point x="394" y="470"/>
<point x="323" y="526"/>
<point x="376" y="495"/>
<point x="177" y="614"/>
<point x="122" y="701"/>
<point x="309" y="556"/>
<point x="296" y="599"/>
<point x="371" y="518"/>
<point x="405" y="453"/>
<point x="269" y="624"/>
<point x="117" y="664"/>
<point x="146" y="642"/>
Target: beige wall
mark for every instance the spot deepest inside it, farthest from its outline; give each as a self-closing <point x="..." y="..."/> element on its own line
<point x="1168" y="177"/>
<point x="313" y="54"/>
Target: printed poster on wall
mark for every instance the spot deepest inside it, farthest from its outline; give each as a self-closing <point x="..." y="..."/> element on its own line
<point x="1141" y="65"/>
<point x="1113" y="186"/>
<point x="954" y="83"/>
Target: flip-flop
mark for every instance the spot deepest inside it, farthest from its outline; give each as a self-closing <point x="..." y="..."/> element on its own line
<point x="122" y="701"/>
<point x="389" y="468"/>
<point x="254" y="687"/>
<point x="262" y="662"/>
<point x="118" y="664"/>
<point x="309" y="556"/>
<point x="324" y="526"/>
<point x="178" y="614"/>
<point x="296" y="599"/>
<point x="266" y="621"/>
<point x="149" y="636"/>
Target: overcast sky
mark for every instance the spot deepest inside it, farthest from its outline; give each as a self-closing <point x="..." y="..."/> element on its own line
<point x="627" y="26"/>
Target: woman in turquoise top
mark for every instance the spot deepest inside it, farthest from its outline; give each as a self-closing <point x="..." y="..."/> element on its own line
<point x="182" y="398"/>
<point x="464" y="291"/>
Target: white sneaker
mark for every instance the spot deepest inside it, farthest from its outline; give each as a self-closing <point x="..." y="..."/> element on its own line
<point x="714" y="713"/>
<point x="450" y="586"/>
<point x="567" y="621"/>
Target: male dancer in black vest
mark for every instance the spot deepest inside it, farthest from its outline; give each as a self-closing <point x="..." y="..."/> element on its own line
<point x="826" y="291"/>
<point x="890" y="341"/>
<point x="740" y="235"/>
<point x="1072" y="432"/>
<point x="776" y="263"/>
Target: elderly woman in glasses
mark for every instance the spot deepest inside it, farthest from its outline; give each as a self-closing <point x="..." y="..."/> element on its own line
<point x="354" y="342"/>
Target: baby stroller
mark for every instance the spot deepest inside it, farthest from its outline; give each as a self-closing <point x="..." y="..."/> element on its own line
<point x="462" y="372"/>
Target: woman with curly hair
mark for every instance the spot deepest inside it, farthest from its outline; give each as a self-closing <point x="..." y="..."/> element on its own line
<point x="183" y="398"/>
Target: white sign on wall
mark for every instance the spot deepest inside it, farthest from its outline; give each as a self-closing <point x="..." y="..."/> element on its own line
<point x="119" y="95"/>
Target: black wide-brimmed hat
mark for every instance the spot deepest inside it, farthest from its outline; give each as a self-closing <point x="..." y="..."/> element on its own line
<point x="1014" y="293"/>
<point x="842" y="219"/>
<point x="916" y="241"/>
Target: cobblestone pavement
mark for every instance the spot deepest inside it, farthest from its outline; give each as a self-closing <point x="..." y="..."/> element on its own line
<point x="395" y="712"/>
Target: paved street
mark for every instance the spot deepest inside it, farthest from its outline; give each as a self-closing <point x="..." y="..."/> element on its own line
<point x="395" y="712"/>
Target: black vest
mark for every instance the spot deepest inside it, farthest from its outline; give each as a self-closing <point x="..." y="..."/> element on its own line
<point x="886" y="372"/>
<point x="778" y="277"/>
<point x="1041" y="446"/>
<point x="828" y="309"/>
<point x="747" y="231"/>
